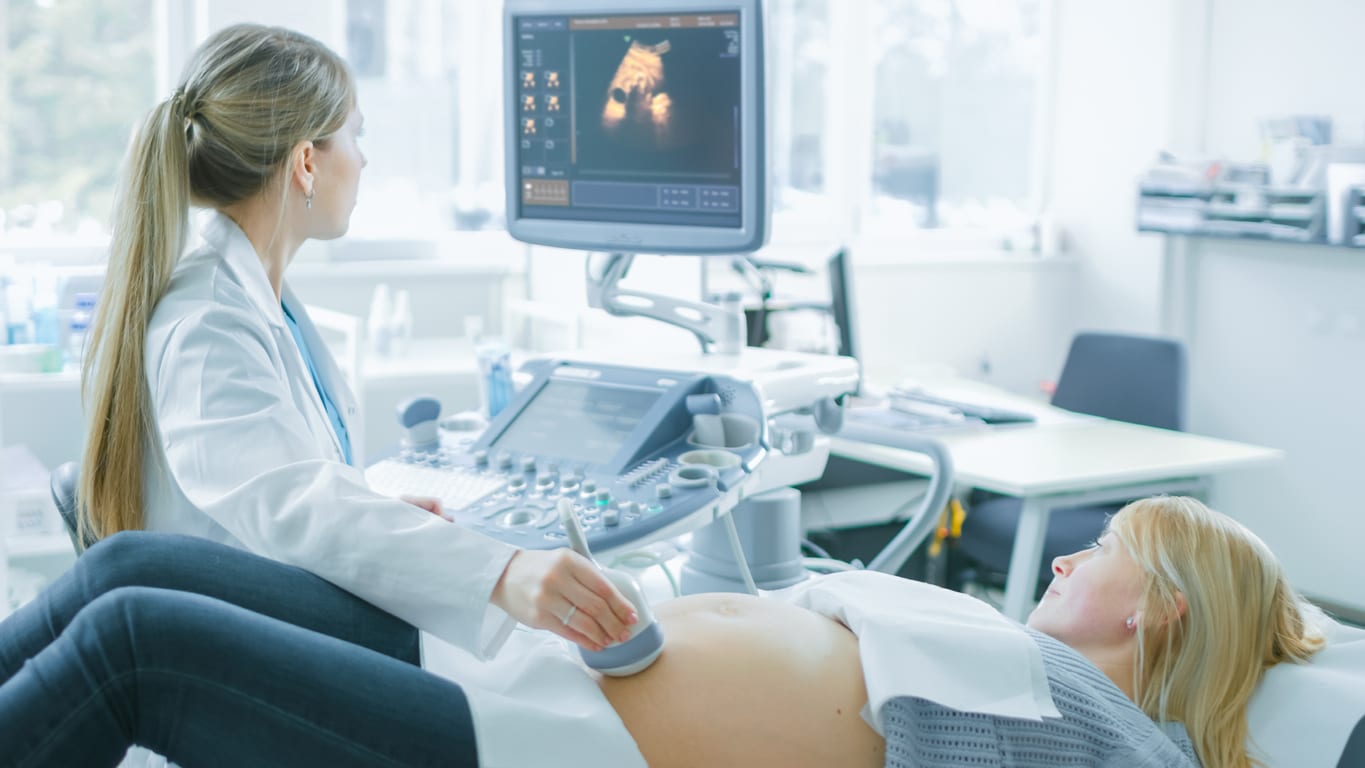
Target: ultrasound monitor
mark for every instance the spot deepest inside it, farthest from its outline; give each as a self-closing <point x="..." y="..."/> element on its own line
<point x="636" y="127"/>
<point x="582" y="419"/>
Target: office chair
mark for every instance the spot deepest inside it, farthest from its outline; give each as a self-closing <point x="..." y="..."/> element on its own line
<point x="63" y="483"/>
<point x="1137" y="379"/>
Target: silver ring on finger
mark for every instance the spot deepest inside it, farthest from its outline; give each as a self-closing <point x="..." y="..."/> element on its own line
<point x="568" y="617"/>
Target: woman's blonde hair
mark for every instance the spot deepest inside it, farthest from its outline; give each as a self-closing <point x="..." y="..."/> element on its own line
<point x="250" y="95"/>
<point x="1200" y="665"/>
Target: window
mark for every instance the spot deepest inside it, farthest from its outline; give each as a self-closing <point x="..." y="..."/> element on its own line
<point x="953" y="127"/>
<point x="77" y="77"/>
<point x="798" y="49"/>
<point x="891" y="117"/>
<point x="430" y="85"/>
<point x="887" y="117"/>
<point x="74" y="79"/>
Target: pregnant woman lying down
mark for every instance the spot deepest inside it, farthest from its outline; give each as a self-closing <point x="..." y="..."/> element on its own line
<point x="1144" y="651"/>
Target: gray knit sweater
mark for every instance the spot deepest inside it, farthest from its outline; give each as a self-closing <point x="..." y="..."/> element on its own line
<point x="1099" y="727"/>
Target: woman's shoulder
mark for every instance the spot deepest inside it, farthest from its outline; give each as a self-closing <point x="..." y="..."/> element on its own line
<point x="1098" y="726"/>
<point x="1095" y="710"/>
<point x="205" y="300"/>
<point x="202" y="282"/>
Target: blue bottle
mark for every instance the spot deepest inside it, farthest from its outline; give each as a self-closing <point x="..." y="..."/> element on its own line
<point x="495" y="376"/>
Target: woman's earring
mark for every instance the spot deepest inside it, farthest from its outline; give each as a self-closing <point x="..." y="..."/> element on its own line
<point x="308" y="201"/>
<point x="1129" y="623"/>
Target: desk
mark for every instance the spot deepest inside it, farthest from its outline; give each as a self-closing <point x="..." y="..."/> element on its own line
<point x="1065" y="460"/>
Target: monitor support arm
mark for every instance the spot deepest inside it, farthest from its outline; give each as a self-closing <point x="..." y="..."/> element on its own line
<point x="721" y="327"/>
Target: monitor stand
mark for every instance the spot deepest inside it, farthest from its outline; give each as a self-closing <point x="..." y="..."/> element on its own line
<point x="723" y="328"/>
<point x="719" y="329"/>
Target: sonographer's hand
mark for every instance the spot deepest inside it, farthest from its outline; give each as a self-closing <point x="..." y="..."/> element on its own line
<point x="562" y="591"/>
<point x="425" y="502"/>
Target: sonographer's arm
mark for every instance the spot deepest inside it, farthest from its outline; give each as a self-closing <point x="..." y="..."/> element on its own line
<point x="241" y="452"/>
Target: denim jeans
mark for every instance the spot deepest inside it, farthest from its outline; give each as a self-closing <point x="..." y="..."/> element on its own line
<point x="212" y="656"/>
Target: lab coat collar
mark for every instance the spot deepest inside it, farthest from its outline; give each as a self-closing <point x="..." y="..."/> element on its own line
<point x="224" y="236"/>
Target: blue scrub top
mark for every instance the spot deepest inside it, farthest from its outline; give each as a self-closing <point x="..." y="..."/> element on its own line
<point x="333" y="415"/>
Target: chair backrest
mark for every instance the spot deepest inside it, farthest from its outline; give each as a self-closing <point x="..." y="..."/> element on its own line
<point x="1137" y="379"/>
<point x="63" y="482"/>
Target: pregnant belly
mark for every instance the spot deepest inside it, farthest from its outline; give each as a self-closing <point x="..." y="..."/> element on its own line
<point x="748" y="681"/>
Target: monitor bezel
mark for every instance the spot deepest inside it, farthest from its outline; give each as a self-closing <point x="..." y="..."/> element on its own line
<point x="623" y="237"/>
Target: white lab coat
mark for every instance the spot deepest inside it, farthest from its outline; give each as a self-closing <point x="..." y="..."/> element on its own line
<point x="246" y="455"/>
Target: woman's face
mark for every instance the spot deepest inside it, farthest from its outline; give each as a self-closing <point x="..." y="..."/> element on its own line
<point x="337" y="177"/>
<point x="1092" y="595"/>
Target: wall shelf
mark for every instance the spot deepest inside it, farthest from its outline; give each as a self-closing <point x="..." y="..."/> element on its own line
<point x="1244" y="210"/>
<point x="1213" y="234"/>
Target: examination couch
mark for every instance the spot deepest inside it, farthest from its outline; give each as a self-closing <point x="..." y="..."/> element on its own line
<point x="1302" y="716"/>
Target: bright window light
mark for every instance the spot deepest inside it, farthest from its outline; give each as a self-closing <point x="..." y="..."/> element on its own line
<point x="74" y="80"/>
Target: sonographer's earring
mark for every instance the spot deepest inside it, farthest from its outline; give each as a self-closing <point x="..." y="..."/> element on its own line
<point x="1130" y="622"/>
<point x="308" y="201"/>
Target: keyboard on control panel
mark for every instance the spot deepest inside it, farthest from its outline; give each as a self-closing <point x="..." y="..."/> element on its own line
<point x="456" y="488"/>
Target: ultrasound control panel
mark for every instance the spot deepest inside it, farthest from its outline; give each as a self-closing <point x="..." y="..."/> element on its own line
<point x="637" y="451"/>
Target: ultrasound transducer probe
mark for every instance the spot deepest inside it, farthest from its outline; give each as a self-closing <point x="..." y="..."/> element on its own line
<point x="620" y="659"/>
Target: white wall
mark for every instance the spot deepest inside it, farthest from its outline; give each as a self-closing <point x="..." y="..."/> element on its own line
<point x="1278" y="355"/>
<point x="1270" y="58"/>
<point x="1277" y="332"/>
<point x="1111" y="104"/>
<point x="1277" y="351"/>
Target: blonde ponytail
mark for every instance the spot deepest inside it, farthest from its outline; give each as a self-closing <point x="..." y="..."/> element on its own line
<point x="1201" y="664"/>
<point x="151" y="217"/>
<point x="251" y="93"/>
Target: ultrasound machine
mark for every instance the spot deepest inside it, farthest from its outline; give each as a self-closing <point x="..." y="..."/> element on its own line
<point x="631" y="131"/>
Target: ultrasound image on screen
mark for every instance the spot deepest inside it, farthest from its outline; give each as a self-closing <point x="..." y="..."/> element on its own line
<point x="656" y="101"/>
<point x="577" y="421"/>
